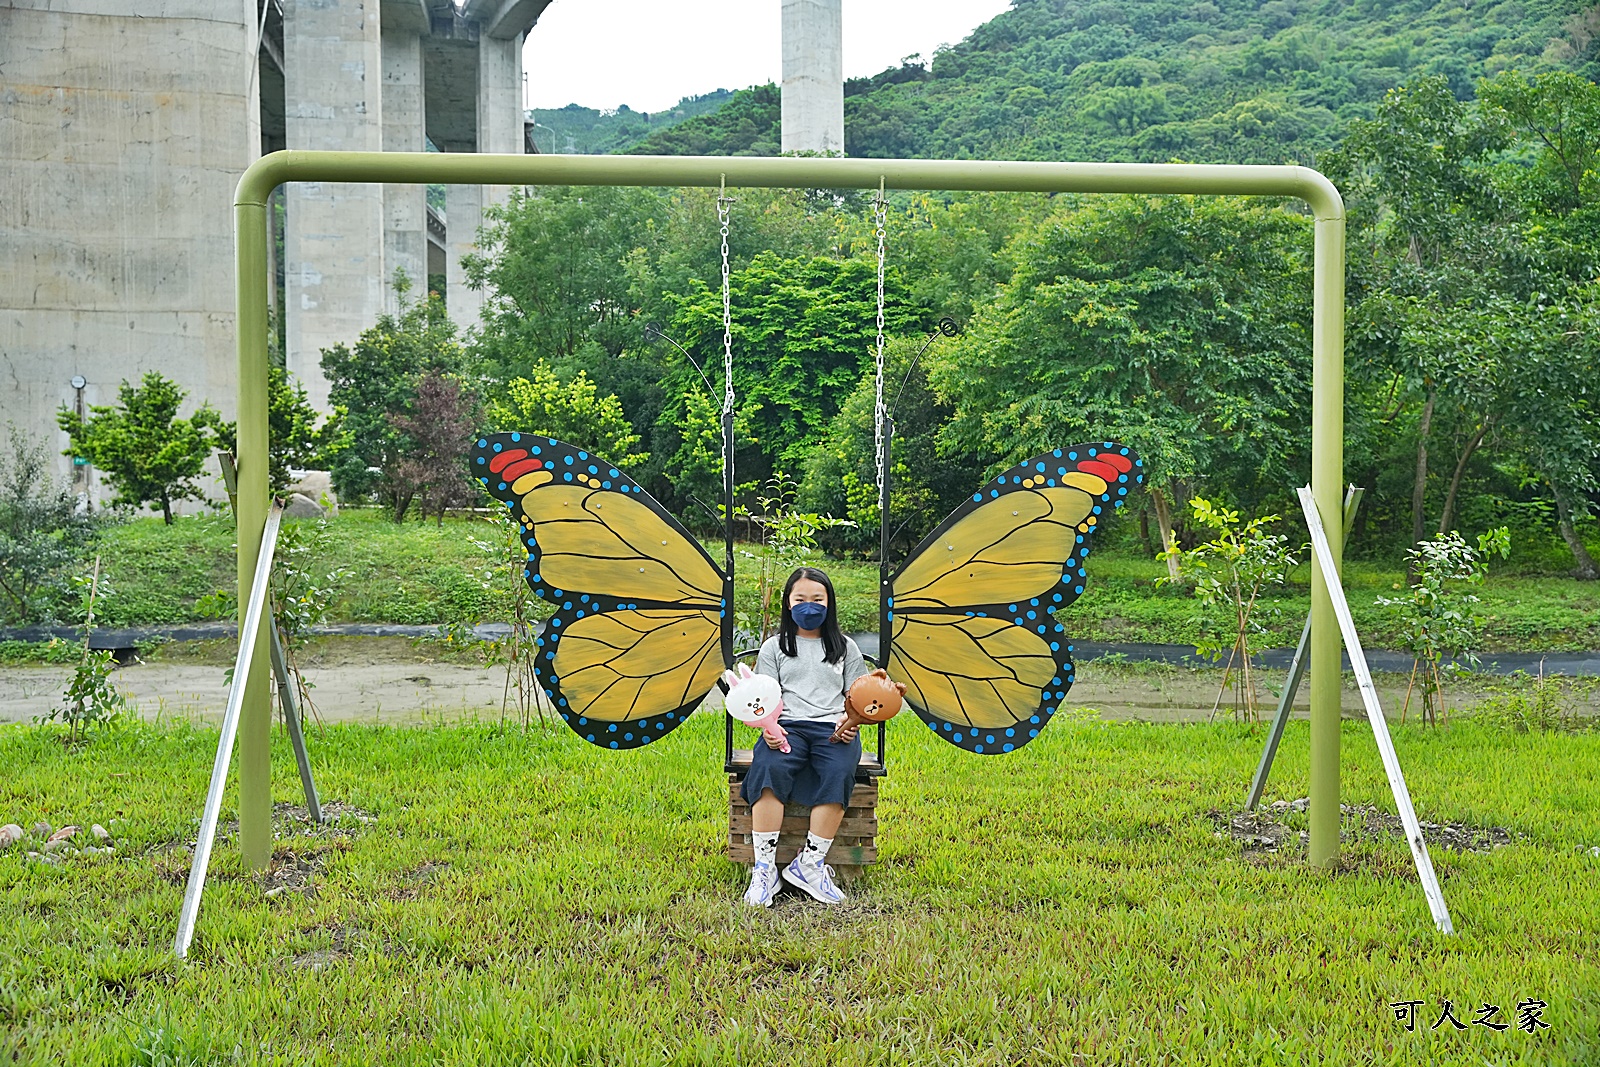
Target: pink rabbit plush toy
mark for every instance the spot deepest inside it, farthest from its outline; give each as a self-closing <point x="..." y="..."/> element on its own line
<point x="755" y="700"/>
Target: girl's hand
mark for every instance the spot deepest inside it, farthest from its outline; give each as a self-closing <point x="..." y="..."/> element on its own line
<point x="775" y="743"/>
<point x="847" y="734"/>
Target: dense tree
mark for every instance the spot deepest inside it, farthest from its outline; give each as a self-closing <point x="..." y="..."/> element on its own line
<point x="1180" y="325"/>
<point x="376" y="380"/>
<point x="438" y="427"/>
<point x="926" y="482"/>
<point x="574" y="412"/>
<point x="1469" y="257"/>
<point x="150" y="455"/>
<point x="292" y="438"/>
<point x="1150" y="80"/>
<point x="554" y="265"/>
<point x="803" y="333"/>
<point x="1177" y="325"/>
<point x="1428" y="241"/>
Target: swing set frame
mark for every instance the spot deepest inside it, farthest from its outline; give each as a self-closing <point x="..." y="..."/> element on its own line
<point x="1327" y="426"/>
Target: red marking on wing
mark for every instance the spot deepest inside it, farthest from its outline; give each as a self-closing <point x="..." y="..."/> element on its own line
<point x="1098" y="469"/>
<point x="500" y="460"/>
<point x="1122" y="463"/>
<point x="521" y="467"/>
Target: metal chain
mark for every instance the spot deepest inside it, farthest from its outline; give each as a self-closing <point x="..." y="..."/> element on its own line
<point x="727" y="309"/>
<point x="880" y="212"/>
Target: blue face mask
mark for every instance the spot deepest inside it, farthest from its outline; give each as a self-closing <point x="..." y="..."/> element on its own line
<point x="809" y="616"/>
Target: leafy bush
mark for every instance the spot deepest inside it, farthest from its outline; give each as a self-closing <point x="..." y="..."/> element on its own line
<point x="573" y="412"/>
<point x="1519" y="707"/>
<point x="1229" y="575"/>
<point x="439" y="429"/>
<point x="375" y="381"/>
<point x="150" y="455"/>
<point x="42" y="533"/>
<point x="292" y="437"/>
<point x="1438" y="616"/>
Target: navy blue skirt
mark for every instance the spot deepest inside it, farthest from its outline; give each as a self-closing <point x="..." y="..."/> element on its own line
<point x="814" y="771"/>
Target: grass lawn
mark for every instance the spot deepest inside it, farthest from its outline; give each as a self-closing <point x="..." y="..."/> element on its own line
<point x="523" y="897"/>
<point x="422" y="573"/>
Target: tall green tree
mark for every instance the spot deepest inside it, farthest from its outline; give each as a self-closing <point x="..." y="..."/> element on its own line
<point x="150" y="455"/>
<point x="1177" y="325"/>
<point x="374" y="382"/>
<point x="292" y="437"/>
<point x="927" y="477"/>
<point x="553" y="265"/>
<point x="1554" y="335"/>
<point x="803" y="333"/>
<point x="1429" y="240"/>
<point x="1472" y="239"/>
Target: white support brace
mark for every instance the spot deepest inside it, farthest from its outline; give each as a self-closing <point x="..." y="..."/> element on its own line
<point x="230" y="728"/>
<point x="1380" y="727"/>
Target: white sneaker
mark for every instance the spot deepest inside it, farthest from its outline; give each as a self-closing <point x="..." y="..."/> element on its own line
<point x="818" y="881"/>
<point x="763" y="886"/>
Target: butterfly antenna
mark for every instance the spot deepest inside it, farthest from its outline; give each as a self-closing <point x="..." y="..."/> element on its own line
<point x="900" y="529"/>
<point x="949" y="328"/>
<point x="706" y="508"/>
<point x="654" y="332"/>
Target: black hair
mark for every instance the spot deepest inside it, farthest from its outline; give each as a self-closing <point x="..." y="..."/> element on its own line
<point x="832" y="636"/>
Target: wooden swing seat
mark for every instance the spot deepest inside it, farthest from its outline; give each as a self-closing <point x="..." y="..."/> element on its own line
<point x="856" y="844"/>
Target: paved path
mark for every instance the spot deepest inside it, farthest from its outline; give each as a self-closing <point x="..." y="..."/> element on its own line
<point x="1572" y="664"/>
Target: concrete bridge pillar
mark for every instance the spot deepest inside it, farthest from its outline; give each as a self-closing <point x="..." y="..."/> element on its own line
<point x="499" y="129"/>
<point x="812" y="111"/>
<point x="405" y="207"/>
<point x="334" y="241"/>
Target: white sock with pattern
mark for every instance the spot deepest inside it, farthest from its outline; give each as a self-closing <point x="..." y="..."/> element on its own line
<point x="765" y="844"/>
<point x="816" y="850"/>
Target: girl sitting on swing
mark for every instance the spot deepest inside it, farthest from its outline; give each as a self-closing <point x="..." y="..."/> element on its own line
<point x="815" y="664"/>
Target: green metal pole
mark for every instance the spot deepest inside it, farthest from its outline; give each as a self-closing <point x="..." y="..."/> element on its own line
<point x="1327" y="448"/>
<point x="1327" y="482"/>
<point x="255" y="714"/>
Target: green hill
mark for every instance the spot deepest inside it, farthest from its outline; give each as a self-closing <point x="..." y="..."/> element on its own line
<point x="1152" y="80"/>
<point x="592" y="131"/>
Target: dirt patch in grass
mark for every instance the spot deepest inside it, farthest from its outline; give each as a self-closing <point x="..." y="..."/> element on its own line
<point x="1275" y="829"/>
<point x="417" y="879"/>
<point x="343" y="940"/>
<point x="298" y="854"/>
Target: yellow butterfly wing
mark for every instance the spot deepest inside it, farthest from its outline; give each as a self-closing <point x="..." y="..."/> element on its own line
<point x="971" y="611"/>
<point x="641" y="629"/>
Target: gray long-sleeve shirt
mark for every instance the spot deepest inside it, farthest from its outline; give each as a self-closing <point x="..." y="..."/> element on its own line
<point x="813" y="689"/>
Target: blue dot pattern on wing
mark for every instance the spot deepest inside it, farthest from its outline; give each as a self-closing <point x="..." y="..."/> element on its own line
<point x="985" y="673"/>
<point x="639" y="604"/>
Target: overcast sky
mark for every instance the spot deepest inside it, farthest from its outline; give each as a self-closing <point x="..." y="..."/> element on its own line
<point x="650" y="53"/>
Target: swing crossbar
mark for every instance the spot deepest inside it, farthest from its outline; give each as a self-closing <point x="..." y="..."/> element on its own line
<point x="1327" y="464"/>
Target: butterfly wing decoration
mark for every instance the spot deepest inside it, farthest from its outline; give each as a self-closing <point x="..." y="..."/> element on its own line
<point x="970" y="611"/>
<point x="641" y="623"/>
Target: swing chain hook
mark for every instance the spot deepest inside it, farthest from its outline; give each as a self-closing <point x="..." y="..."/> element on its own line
<point x="880" y="212"/>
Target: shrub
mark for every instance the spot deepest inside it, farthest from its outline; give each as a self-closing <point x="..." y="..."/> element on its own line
<point x="1438" y="617"/>
<point x="42" y="532"/>
<point x="150" y="455"/>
